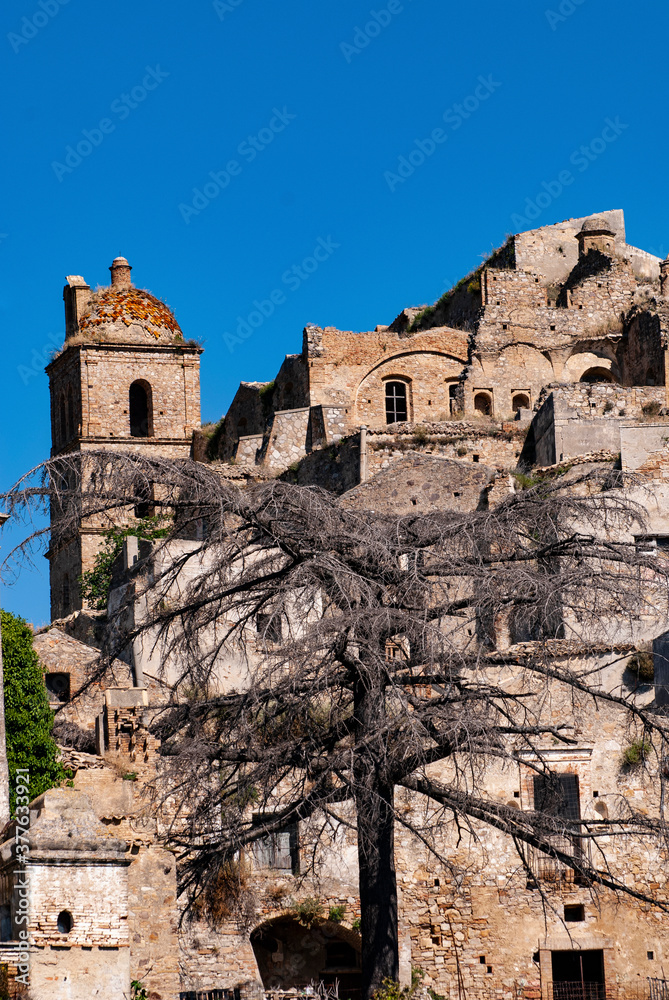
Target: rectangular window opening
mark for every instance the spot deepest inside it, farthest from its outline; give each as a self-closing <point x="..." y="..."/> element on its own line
<point x="574" y="913"/>
<point x="279" y="849"/>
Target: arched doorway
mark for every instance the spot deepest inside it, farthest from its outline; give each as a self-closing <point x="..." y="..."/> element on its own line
<point x="597" y="375"/>
<point x="291" y="956"/>
<point x="520" y="401"/>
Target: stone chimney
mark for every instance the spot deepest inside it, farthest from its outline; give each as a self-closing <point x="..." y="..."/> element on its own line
<point x="76" y="296"/>
<point x="664" y="278"/>
<point x="120" y="273"/>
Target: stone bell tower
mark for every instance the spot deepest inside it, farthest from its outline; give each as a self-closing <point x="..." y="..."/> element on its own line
<point x="125" y="380"/>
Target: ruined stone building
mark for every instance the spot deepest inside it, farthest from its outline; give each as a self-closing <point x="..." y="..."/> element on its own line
<point x="553" y="352"/>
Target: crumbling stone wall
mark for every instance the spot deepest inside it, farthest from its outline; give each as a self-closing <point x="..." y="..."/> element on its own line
<point x="580" y="418"/>
<point x="643" y="358"/>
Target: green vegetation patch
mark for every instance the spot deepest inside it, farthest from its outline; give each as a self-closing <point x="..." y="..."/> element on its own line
<point x="28" y="717"/>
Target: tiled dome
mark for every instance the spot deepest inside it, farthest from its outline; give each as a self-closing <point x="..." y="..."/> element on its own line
<point x="128" y="314"/>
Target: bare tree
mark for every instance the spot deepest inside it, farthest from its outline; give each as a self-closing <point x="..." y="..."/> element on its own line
<point x="381" y="669"/>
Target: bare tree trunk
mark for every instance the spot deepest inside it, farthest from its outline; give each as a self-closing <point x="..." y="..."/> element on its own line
<point x="374" y="799"/>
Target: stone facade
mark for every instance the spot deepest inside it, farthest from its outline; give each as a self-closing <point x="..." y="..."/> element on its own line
<point x="554" y="349"/>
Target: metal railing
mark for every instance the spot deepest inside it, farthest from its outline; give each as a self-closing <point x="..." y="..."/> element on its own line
<point x="658" y="989"/>
<point x="550" y="869"/>
<point x="579" y="990"/>
<point x="228" y="994"/>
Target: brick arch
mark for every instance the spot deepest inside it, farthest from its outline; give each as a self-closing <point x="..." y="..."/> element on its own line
<point x="276" y="938"/>
<point x="427" y="372"/>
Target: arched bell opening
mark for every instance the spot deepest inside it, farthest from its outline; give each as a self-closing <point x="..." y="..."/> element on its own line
<point x="141" y="409"/>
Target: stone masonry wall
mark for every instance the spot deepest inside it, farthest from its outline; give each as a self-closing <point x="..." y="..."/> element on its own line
<point x="348" y="369"/>
<point x="106" y="372"/>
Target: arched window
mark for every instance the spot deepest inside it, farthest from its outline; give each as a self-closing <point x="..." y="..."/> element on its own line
<point x="69" y="413"/>
<point x="62" y="419"/>
<point x="483" y="403"/>
<point x="520" y="400"/>
<point x="145" y="495"/>
<point x="141" y="409"/>
<point x="396" y="402"/>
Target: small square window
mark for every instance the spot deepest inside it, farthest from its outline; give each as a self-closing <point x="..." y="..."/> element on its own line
<point x="482" y="959"/>
<point x="650" y="955"/>
<point x="574" y="913"/>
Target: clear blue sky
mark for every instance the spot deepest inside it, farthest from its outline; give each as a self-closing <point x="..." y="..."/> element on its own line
<point x="315" y="103"/>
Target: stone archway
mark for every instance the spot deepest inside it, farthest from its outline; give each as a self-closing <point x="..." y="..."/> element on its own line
<point x="598" y="374"/>
<point x="291" y="956"/>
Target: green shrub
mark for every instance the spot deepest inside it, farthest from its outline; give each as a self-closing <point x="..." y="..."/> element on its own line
<point x="336" y="914"/>
<point x="355" y="925"/>
<point x="525" y="482"/>
<point x="637" y="752"/>
<point x="28" y="718"/>
<point x="391" y="990"/>
<point x="308" y="911"/>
